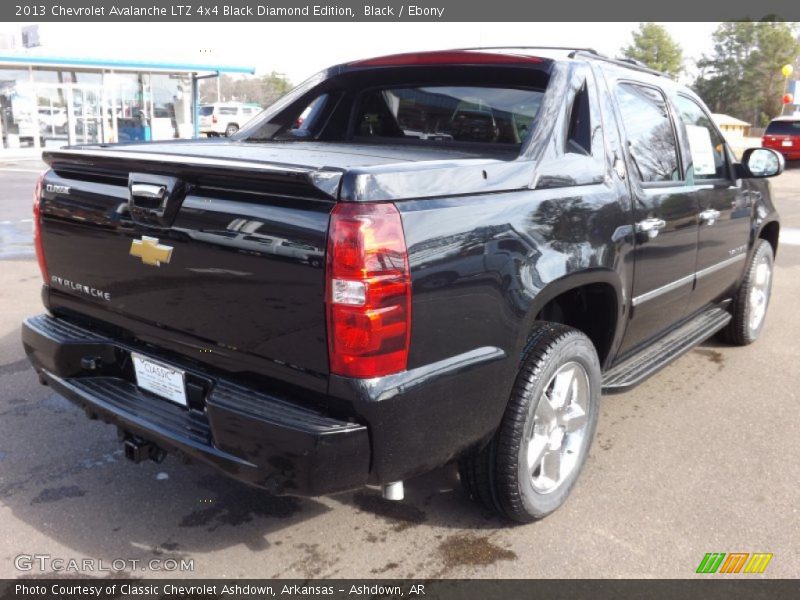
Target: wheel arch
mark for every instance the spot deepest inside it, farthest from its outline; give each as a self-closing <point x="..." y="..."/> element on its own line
<point x="770" y="231"/>
<point x="575" y="300"/>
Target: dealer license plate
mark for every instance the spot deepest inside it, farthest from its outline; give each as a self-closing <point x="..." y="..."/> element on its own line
<point x="160" y="379"/>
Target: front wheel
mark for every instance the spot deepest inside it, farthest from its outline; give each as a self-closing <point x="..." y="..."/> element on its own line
<point x="751" y="300"/>
<point x="533" y="460"/>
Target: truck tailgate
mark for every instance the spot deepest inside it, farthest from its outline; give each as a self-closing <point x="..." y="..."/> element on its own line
<point x="230" y="257"/>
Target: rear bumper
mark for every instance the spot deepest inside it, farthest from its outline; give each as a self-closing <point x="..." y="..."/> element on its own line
<point x="252" y="435"/>
<point x="792" y="153"/>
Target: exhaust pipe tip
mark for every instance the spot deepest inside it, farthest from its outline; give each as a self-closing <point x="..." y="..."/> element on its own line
<point x="393" y="491"/>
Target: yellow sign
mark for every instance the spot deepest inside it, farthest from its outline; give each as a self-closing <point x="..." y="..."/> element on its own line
<point x="150" y="251"/>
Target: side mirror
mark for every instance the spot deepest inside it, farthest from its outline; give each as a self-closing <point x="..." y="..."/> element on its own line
<point x="761" y="162"/>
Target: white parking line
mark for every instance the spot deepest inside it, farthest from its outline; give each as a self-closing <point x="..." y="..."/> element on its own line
<point x="790" y="236"/>
<point x="14" y="170"/>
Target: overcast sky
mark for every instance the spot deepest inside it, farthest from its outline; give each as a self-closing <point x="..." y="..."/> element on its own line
<point x="301" y="49"/>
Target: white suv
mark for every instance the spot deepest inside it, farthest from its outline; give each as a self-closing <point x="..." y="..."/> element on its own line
<point x="225" y="118"/>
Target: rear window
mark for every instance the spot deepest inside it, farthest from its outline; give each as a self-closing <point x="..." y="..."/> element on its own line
<point x="206" y="111"/>
<point x="783" y="128"/>
<point x="487" y="115"/>
<point x="481" y="108"/>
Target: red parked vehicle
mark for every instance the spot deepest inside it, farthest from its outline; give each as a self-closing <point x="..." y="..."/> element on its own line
<point x="783" y="135"/>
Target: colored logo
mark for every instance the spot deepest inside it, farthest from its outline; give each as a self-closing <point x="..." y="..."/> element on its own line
<point x="734" y="562"/>
<point x="150" y="251"/>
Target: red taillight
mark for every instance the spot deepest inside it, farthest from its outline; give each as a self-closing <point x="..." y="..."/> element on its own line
<point x="214" y="119"/>
<point x="368" y="292"/>
<point x="37" y="227"/>
<point x="447" y="57"/>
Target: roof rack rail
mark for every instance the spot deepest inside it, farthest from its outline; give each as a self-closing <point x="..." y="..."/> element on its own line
<point x="626" y="63"/>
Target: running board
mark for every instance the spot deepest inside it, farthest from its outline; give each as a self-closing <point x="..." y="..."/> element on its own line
<point x="634" y="370"/>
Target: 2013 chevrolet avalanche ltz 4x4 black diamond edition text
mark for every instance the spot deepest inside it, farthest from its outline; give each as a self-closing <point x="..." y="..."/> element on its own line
<point x="448" y="258"/>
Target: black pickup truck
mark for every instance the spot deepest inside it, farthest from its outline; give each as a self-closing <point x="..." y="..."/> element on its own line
<point x="406" y="261"/>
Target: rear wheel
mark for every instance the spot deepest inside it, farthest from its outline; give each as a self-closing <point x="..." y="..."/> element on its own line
<point x="231" y="129"/>
<point x="532" y="462"/>
<point x="752" y="298"/>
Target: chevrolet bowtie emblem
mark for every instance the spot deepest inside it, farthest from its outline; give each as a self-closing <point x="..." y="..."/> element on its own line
<point x="150" y="251"/>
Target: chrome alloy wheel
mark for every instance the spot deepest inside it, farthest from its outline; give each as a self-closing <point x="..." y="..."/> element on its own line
<point x="559" y="428"/>
<point x="759" y="293"/>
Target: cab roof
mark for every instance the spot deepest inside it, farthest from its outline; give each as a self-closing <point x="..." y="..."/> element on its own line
<point x="473" y="56"/>
<point x="498" y="55"/>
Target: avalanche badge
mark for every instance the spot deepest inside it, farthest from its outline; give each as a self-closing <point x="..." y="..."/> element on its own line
<point x="150" y="251"/>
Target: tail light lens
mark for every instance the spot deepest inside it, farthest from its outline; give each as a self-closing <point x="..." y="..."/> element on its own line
<point x="214" y="119"/>
<point x="37" y="227"/>
<point x="368" y="291"/>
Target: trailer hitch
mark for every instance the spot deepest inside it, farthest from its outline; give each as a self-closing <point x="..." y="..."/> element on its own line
<point x="138" y="449"/>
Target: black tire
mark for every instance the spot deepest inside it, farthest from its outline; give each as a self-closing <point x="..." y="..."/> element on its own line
<point x="231" y="129"/>
<point x="497" y="475"/>
<point x="741" y="330"/>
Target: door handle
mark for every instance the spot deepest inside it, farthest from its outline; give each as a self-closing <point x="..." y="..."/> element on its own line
<point x="709" y="216"/>
<point x="651" y="227"/>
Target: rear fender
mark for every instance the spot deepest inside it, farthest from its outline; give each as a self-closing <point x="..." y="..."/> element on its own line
<point x="570" y="282"/>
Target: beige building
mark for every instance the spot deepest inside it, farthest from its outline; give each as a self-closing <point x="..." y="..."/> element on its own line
<point x="732" y="128"/>
<point x="736" y="132"/>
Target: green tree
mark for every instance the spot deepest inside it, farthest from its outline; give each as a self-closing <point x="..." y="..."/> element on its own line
<point x="263" y="90"/>
<point x="742" y="77"/>
<point x="653" y="46"/>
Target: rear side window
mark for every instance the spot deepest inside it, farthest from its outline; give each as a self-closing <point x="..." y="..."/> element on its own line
<point x="486" y="115"/>
<point x="706" y="144"/>
<point x="783" y="128"/>
<point x="227" y="110"/>
<point x="579" y="136"/>
<point x="651" y="139"/>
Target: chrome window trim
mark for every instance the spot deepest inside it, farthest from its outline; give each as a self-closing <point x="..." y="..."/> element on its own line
<point x="641" y="298"/>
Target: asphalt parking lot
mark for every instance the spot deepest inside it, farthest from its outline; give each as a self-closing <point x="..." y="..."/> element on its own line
<point x="701" y="458"/>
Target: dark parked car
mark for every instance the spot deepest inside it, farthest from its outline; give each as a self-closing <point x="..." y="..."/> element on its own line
<point x="499" y="237"/>
<point x="783" y="135"/>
